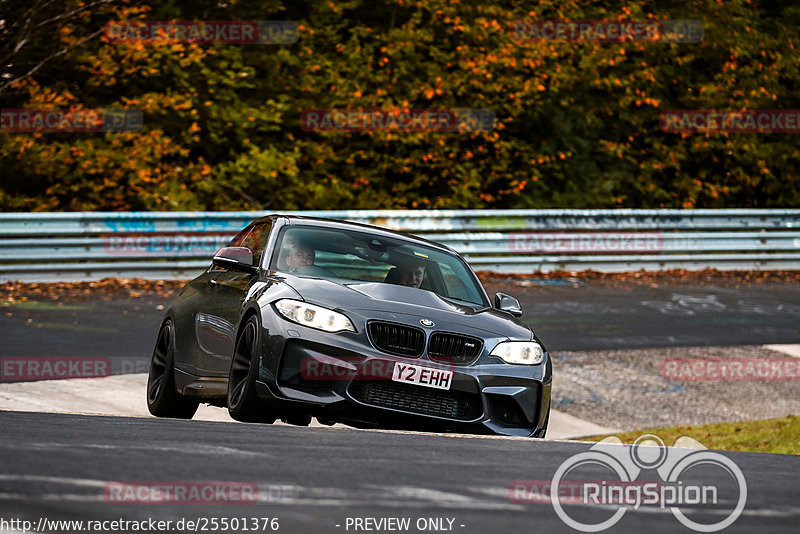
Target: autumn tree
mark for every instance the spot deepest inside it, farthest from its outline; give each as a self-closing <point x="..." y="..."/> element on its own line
<point x="577" y="122"/>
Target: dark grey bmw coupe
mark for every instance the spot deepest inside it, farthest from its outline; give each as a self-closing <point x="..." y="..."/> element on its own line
<point x="300" y="317"/>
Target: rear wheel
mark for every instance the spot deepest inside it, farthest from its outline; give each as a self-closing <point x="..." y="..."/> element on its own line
<point x="243" y="401"/>
<point x="162" y="398"/>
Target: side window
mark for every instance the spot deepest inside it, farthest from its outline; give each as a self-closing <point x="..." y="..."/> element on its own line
<point x="255" y="238"/>
<point x="236" y="241"/>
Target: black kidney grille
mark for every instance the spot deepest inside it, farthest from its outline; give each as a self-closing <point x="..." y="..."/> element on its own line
<point x="397" y="339"/>
<point x="417" y="399"/>
<point x="454" y="348"/>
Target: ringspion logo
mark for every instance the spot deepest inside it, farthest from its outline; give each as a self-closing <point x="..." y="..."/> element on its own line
<point x="599" y="504"/>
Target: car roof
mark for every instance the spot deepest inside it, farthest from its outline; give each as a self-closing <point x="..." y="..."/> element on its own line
<point x="336" y="223"/>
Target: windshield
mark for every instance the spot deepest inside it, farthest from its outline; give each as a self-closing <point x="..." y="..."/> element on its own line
<point x="351" y="255"/>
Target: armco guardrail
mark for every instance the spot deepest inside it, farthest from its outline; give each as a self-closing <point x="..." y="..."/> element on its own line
<point x="178" y="245"/>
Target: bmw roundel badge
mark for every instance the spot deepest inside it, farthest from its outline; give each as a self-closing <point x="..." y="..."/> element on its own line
<point x="426" y="322"/>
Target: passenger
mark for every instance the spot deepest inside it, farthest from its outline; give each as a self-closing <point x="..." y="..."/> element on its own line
<point x="300" y="255"/>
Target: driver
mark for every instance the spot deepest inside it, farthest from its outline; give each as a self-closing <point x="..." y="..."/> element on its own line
<point x="410" y="273"/>
<point x="300" y="255"/>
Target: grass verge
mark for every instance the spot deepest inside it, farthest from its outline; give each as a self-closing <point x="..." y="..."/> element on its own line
<point x="779" y="436"/>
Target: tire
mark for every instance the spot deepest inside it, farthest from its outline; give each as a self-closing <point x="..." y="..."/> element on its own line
<point x="162" y="398"/>
<point x="244" y="403"/>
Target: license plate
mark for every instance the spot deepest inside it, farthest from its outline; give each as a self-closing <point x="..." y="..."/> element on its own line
<point x="422" y="376"/>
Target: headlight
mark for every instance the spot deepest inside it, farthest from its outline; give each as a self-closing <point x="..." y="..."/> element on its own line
<point x="314" y="316"/>
<point x="519" y="352"/>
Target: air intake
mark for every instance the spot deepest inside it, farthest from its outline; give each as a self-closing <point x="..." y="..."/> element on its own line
<point x="454" y="349"/>
<point x="397" y="339"/>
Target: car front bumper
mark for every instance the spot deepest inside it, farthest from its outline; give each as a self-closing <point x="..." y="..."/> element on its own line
<point x="342" y="378"/>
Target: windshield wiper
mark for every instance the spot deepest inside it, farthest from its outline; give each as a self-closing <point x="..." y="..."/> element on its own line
<point x="459" y="301"/>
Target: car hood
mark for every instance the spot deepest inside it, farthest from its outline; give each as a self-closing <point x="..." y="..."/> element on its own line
<point x="406" y="304"/>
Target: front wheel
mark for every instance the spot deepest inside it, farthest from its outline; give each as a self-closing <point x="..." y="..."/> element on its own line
<point x="162" y="398"/>
<point x="243" y="401"/>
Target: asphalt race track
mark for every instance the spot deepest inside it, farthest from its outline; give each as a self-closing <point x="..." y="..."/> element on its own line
<point x="313" y="479"/>
<point x="59" y="466"/>
<point x="589" y="316"/>
<point x="566" y="318"/>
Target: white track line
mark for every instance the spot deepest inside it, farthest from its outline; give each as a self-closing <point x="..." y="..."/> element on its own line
<point x="791" y="350"/>
<point x="124" y="396"/>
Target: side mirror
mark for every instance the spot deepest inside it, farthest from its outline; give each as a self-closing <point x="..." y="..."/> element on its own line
<point x="508" y="304"/>
<point x="239" y="258"/>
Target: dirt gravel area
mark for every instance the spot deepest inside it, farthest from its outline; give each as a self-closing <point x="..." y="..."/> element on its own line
<point x="628" y="389"/>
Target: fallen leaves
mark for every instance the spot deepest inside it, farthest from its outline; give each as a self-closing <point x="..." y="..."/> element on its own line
<point x="655" y="278"/>
<point x="106" y="289"/>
